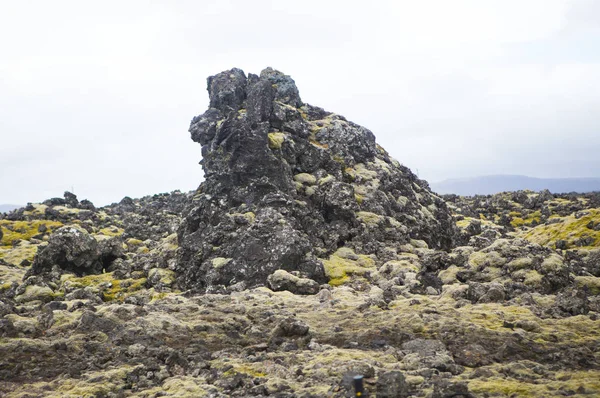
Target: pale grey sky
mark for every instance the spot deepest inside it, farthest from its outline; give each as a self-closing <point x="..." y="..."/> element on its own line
<point x="98" y="95"/>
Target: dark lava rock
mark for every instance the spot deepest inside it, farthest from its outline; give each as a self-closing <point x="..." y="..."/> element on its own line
<point x="90" y="322"/>
<point x="72" y="249"/>
<point x="573" y="302"/>
<point x="291" y="327"/>
<point x="287" y="184"/>
<point x="445" y="389"/>
<point x="71" y="199"/>
<point x="283" y="280"/>
<point x="7" y="329"/>
<point x="392" y="385"/>
<point x="472" y="355"/>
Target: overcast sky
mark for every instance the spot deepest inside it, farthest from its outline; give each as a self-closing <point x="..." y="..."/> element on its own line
<point x="98" y="96"/>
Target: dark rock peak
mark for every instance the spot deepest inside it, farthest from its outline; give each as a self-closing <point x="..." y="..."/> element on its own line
<point x="229" y="89"/>
<point x="288" y="184"/>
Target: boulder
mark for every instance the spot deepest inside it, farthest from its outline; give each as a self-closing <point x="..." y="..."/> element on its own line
<point x="283" y="280"/>
<point x="73" y="249"/>
<point x="392" y="385"/>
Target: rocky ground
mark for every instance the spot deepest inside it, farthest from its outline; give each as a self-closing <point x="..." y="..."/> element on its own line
<point x="334" y="260"/>
<point x="505" y="314"/>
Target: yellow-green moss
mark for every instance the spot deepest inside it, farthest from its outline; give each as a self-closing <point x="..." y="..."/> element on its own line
<point x="344" y="263"/>
<point x="10" y="275"/>
<point x="492" y="315"/>
<point x="121" y="289"/>
<point x="165" y="276"/>
<point x="394" y="268"/>
<point x="520" y="263"/>
<point x="553" y="263"/>
<point x="101" y="383"/>
<point x="276" y="140"/>
<point x="66" y="210"/>
<point x="327" y="179"/>
<point x="509" y="387"/>
<point x="316" y="143"/>
<point x="134" y="242"/>
<point x="448" y="276"/>
<point x="110" y="287"/>
<point x="33" y="292"/>
<point x="464" y="223"/>
<point x="305" y="178"/>
<point x="16" y="255"/>
<point x="250" y="216"/>
<point x="491" y="259"/>
<point x="590" y="282"/>
<point x="529" y="277"/>
<point x="38" y="209"/>
<point x="519" y="221"/>
<point x="23" y="230"/>
<point x="570" y="229"/>
<point x="111" y="231"/>
<point x="402" y="201"/>
<point x="219" y="262"/>
<point x="72" y="281"/>
<point x="154" y="296"/>
<point x="362" y="172"/>
<point x="252" y="370"/>
<point x="368" y="217"/>
<point x="503" y="387"/>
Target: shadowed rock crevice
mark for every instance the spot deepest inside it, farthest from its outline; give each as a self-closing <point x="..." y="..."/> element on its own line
<point x="287" y="184"/>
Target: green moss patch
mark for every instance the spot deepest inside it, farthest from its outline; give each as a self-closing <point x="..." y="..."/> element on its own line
<point x="276" y="140"/>
<point x="592" y="283"/>
<point x="344" y="263"/>
<point x="17" y="255"/>
<point x="110" y="287"/>
<point x="111" y="231"/>
<point x="24" y="230"/>
<point x="571" y="229"/>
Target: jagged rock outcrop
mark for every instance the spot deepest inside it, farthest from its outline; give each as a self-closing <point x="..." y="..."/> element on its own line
<point x="289" y="184"/>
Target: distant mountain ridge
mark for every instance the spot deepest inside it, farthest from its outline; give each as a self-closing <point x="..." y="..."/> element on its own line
<point x="487" y="185"/>
<point x="6" y="208"/>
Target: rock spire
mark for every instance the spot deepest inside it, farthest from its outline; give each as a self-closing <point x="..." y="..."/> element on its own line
<point x="291" y="186"/>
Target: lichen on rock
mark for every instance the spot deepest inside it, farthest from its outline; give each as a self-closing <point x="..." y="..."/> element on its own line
<point x="315" y="181"/>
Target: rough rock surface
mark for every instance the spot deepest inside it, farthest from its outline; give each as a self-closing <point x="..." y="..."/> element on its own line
<point x="288" y="184"/>
<point x="73" y="249"/>
<point x="512" y="309"/>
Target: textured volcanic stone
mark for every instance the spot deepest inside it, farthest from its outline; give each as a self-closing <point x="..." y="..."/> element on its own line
<point x="251" y="217"/>
<point x="74" y="250"/>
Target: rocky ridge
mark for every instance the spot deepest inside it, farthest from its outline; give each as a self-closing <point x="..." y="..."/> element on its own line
<point x="428" y="296"/>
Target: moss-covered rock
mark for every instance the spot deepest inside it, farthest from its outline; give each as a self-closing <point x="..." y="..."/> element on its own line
<point x="32" y="293"/>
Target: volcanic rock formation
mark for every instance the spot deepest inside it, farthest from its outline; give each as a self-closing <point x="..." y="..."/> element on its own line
<point x="291" y="186"/>
<point x="91" y="303"/>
